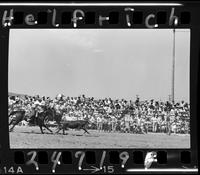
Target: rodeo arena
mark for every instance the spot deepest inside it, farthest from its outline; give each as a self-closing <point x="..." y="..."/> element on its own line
<point x="86" y="122"/>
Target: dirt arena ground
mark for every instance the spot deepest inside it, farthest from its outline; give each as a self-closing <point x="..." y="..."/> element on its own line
<point x="30" y="137"/>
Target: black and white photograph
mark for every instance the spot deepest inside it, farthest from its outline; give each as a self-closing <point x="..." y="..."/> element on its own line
<point x="99" y="88"/>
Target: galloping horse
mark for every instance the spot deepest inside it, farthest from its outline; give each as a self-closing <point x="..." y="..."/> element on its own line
<point x="19" y="116"/>
<point x="53" y="115"/>
<point x="41" y="119"/>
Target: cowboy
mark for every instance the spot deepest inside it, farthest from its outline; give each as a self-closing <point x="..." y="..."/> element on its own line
<point x="113" y="123"/>
<point x="92" y="121"/>
<point x="99" y="122"/>
<point x="17" y="106"/>
<point x="154" y="122"/>
<point x="39" y="108"/>
<point x="143" y="126"/>
<point x="127" y="118"/>
<point x="57" y="108"/>
<point x="168" y="124"/>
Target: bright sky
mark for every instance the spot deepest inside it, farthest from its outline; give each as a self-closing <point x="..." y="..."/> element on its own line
<point x="116" y="63"/>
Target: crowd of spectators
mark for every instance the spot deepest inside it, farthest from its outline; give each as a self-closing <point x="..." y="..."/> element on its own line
<point x="110" y="115"/>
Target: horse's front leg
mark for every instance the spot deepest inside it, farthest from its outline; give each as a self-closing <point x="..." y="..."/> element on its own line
<point x="58" y="129"/>
<point x="10" y="122"/>
<point x="48" y="128"/>
<point x="64" y="131"/>
<point x="11" y="129"/>
<point x="41" y="129"/>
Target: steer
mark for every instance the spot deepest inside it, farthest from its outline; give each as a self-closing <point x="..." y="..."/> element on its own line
<point x="76" y="124"/>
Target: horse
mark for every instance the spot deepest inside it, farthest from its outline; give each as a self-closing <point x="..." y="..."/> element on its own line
<point x="41" y="119"/>
<point x="54" y="115"/>
<point x="75" y="124"/>
<point x="19" y="116"/>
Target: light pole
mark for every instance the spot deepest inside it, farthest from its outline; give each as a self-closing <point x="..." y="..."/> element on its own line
<point x="173" y="62"/>
<point x="173" y="67"/>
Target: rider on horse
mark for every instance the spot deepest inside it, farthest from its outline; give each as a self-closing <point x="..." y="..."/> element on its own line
<point x="18" y="106"/>
<point x="59" y="104"/>
<point x="40" y="107"/>
<point x="57" y="107"/>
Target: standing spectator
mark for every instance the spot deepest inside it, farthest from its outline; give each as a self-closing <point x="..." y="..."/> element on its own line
<point x="113" y="123"/>
<point x="99" y="123"/>
<point x="168" y="124"/>
<point x="155" y="123"/>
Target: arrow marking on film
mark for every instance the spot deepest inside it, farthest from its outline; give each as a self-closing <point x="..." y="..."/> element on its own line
<point x="93" y="169"/>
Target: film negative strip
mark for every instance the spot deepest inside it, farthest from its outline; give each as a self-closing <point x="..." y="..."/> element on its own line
<point x="107" y="88"/>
